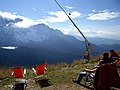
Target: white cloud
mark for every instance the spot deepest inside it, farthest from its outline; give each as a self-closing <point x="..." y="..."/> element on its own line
<point x="69" y="7"/>
<point x="59" y="16"/>
<point x="93" y="10"/>
<point x="8" y="15"/>
<point x="71" y="30"/>
<point x="43" y="9"/>
<point x="103" y="15"/>
<point x="25" y="23"/>
<point x="34" y="9"/>
<point x="105" y="32"/>
<point x="53" y="17"/>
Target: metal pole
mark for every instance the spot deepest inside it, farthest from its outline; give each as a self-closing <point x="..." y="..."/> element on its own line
<point x="88" y="45"/>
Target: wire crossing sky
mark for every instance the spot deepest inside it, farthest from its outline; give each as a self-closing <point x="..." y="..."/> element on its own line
<point x="95" y="18"/>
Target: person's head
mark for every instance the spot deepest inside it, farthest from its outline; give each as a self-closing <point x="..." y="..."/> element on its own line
<point x="111" y="50"/>
<point x="106" y="57"/>
<point x="113" y="54"/>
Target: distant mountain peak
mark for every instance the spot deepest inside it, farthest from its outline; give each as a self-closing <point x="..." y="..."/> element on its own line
<point x="39" y="26"/>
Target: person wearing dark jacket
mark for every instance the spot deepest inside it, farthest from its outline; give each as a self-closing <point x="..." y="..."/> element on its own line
<point x="104" y="60"/>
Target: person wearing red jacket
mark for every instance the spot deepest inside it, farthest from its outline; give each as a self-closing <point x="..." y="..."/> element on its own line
<point x="113" y="55"/>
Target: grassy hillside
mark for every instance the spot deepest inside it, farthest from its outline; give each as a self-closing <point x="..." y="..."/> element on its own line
<point x="60" y="76"/>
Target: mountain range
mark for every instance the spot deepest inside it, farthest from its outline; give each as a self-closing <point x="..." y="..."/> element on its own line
<point x="40" y="43"/>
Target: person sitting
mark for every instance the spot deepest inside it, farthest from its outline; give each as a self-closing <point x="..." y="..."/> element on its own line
<point x="113" y="55"/>
<point x="86" y="71"/>
<point x="106" y="76"/>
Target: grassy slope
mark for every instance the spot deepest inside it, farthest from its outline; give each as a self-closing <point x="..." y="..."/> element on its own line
<point x="60" y="76"/>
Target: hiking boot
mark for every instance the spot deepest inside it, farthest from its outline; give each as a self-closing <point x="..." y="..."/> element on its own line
<point x="75" y="81"/>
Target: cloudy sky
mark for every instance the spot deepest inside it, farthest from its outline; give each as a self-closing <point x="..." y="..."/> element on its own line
<point x="95" y="18"/>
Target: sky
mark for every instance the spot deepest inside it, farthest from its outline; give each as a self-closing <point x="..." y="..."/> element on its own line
<point x="95" y="18"/>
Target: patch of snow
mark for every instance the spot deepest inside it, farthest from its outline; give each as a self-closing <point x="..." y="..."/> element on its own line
<point x="9" y="47"/>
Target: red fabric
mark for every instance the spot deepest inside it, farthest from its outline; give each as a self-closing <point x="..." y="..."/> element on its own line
<point x="18" y="72"/>
<point x="114" y="54"/>
<point x="40" y="69"/>
<point x="117" y="62"/>
<point x="106" y="76"/>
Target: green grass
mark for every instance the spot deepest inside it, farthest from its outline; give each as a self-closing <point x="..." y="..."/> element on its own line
<point x="59" y="74"/>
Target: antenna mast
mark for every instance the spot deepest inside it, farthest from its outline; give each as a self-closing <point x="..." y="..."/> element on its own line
<point x="88" y="45"/>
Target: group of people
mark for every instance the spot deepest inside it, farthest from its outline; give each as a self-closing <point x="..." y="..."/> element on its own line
<point x="107" y="58"/>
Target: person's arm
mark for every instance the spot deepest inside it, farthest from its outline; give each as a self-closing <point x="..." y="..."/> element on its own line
<point x="94" y="68"/>
<point x="90" y="70"/>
